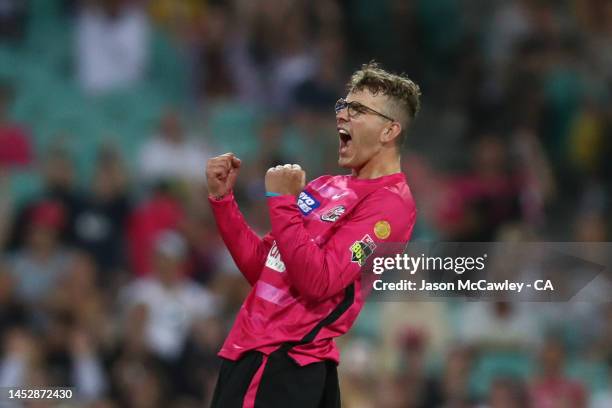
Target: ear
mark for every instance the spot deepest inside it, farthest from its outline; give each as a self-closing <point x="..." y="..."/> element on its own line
<point x="391" y="132"/>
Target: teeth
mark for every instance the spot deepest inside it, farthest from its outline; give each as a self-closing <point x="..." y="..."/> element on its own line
<point x="343" y="132"/>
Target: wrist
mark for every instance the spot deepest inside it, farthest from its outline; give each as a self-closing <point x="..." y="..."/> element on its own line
<point x="219" y="196"/>
<point x="272" y="194"/>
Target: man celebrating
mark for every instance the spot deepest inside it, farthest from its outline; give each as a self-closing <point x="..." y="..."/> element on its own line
<point x="305" y="274"/>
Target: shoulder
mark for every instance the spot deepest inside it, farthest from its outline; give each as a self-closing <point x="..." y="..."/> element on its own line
<point x="399" y="193"/>
<point x="322" y="181"/>
<point x="395" y="196"/>
<point x="391" y="209"/>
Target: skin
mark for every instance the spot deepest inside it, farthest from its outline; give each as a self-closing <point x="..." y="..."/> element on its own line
<point x="221" y="174"/>
<point x="371" y="153"/>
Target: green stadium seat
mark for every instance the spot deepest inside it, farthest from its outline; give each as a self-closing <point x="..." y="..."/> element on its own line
<point x="233" y="127"/>
<point x="23" y="185"/>
<point x="493" y="364"/>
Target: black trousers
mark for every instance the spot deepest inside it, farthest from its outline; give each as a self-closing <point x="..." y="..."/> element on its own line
<point x="279" y="383"/>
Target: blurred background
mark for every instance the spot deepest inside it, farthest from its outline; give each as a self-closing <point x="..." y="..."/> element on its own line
<point x="113" y="279"/>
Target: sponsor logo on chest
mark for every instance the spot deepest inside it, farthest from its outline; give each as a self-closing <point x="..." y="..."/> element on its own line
<point x="333" y="214"/>
<point x="361" y="250"/>
<point x="274" y="260"/>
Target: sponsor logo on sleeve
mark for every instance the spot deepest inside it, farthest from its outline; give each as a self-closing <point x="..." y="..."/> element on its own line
<point x="382" y="229"/>
<point x="274" y="260"/>
<point x="361" y="250"/>
<point x="333" y="214"/>
<point x="307" y="203"/>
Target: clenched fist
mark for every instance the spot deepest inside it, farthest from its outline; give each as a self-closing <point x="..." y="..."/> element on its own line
<point x="221" y="173"/>
<point x="287" y="179"/>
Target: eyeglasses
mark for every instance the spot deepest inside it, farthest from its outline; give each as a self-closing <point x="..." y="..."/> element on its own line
<point x="356" y="108"/>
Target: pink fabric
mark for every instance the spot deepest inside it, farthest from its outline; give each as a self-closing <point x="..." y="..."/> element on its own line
<point x="300" y="270"/>
<point x="273" y="294"/>
<point x="249" y="397"/>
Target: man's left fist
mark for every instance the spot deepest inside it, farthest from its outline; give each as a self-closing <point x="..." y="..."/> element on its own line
<point x="287" y="179"/>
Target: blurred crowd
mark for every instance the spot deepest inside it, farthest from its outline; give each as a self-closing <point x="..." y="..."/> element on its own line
<point x="113" y="279"/>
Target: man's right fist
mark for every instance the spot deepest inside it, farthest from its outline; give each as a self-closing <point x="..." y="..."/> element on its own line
<point x="221" y="173"/>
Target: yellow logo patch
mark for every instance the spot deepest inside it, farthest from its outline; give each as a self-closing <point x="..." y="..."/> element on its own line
<point x="382" y="229"/>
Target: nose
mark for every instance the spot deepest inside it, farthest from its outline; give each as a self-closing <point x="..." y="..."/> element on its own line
<point x="342" y="116"/>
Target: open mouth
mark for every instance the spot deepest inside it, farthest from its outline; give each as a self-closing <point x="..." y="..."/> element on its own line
<point x="345" y="139"/>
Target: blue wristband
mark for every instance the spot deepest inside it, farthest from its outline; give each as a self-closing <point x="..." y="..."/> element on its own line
<point x="268" y="194"/>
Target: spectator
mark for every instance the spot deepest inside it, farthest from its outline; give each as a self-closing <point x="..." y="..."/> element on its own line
<point x="507" y="393"/>
<point x="21" y="359"/>
<point x="58" y="187"/>
<point x="15" y="149"/>
<point x="205" y="248"/>
<point x="453" y="388"/>
<point x="171" y="155"/>
<point x="87" y="374"/>
<point x="603" y="398"/>
<point x="39" y="266"/>
<point x="101" y="221"/>
<point x="13" y="312"/>
<point x="137" y="374"/>
<point x="356" y="381"/>
<point x="552" y="388"/>
<point x="82" y="300"/>
<point x="160" y="212"/>
<point x="199" y="363"/>
<point x="416" y="387"/>
<point x="71" y="359"/>
<point x="112" y="45"/>
<point x="320" y="92"/>
<point x="6" y="208"/>
<point x="172" y="301"/>
<point x="483" y="199"/>
<point x="499" y="325"/>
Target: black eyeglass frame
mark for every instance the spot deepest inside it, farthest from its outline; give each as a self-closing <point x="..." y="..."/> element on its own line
<point x="357" y="107"/>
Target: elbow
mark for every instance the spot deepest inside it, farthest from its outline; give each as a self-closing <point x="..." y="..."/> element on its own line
<point x="252" y="276"/>
<point x="317" y="288"/>
<point x="311" y="294"/>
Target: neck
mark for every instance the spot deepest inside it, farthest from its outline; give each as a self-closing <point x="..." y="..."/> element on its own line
<point x="378" y="167"/>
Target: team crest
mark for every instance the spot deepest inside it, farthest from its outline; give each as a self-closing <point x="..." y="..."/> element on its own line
<point x="361" y="250"/>
<point x="274" y="260"/>
<point x="382" y="229"/>
<point x="333" y="214"/>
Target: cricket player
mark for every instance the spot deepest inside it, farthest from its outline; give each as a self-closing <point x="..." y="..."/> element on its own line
<point x="305" y="273"/>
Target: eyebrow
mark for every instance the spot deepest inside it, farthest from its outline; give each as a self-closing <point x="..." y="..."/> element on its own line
<point x="373" y="109"/>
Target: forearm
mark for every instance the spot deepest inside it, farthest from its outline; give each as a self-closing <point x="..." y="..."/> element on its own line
<point x="247" y="249"/>
<point x="307" y="264"/>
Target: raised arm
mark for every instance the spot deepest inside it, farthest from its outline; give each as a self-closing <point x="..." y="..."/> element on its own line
<point x="318" y="272"/>
<point x="247" y="249"/>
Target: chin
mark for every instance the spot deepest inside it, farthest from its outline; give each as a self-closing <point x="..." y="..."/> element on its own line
<point x="344" y="163"/>
<point x="351" y="162"/>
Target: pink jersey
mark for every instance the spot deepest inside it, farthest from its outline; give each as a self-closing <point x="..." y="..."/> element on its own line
<point x="306" y="272"/>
